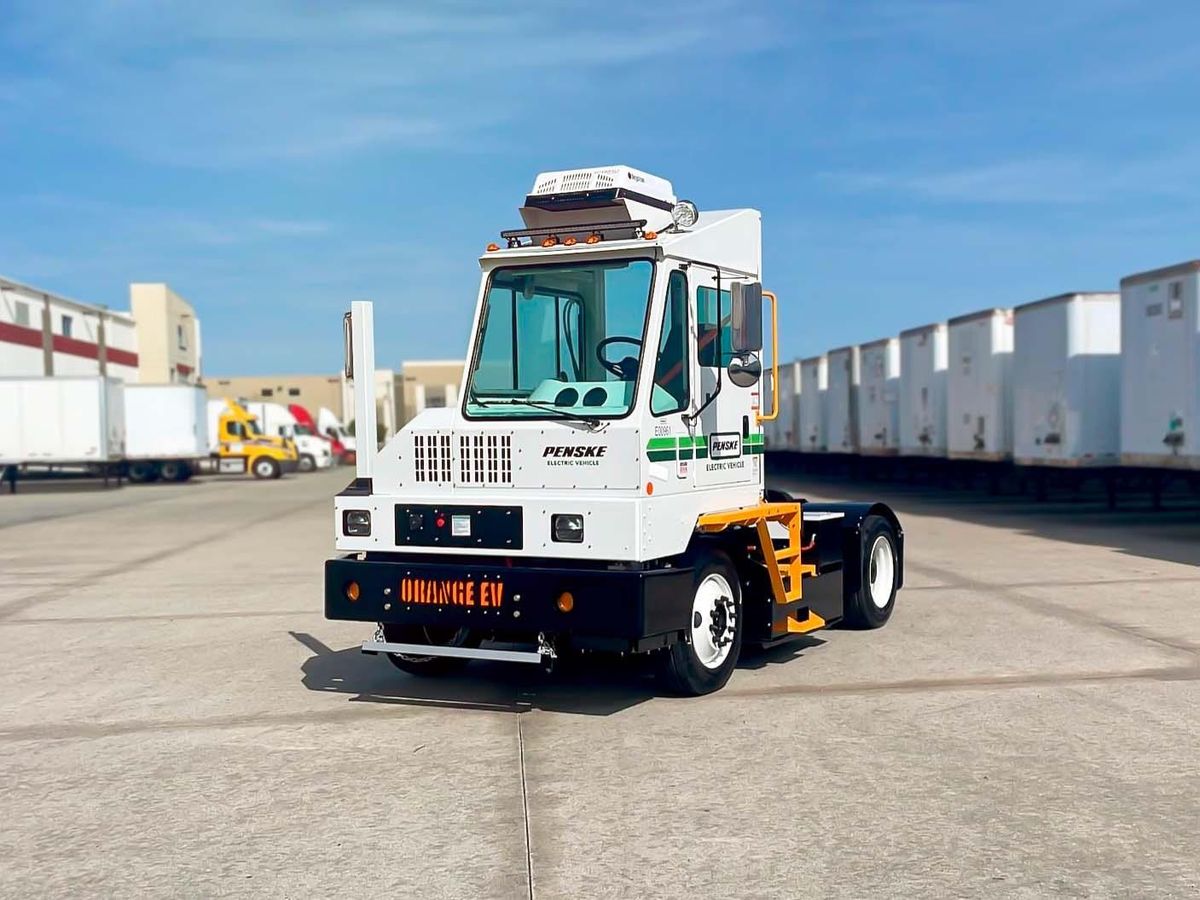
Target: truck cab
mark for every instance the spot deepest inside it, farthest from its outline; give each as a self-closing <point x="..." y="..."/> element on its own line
<point x="600" y="484"/>
<point x="240" y="445"/>
<point x="275" y="420"/>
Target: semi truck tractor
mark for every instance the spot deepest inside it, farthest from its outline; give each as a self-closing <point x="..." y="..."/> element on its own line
<point x="239" y="444"/>
<point x="275" y="419"/>
<point x="331" y="426"/>
<point x="304" y="418"/>
<point x="600" y="484"/>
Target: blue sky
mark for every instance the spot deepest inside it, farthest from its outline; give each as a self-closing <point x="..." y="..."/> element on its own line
<point x="273" y="160"/>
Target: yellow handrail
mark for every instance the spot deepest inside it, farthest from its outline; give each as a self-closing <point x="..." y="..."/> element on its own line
<point x="759" y="417"/>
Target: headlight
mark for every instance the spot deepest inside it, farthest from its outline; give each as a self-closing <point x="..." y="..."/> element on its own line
<point x="567" y="528"/>
<point x="356" y="522"/>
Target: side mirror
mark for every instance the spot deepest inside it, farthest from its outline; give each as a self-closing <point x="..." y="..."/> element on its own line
<point x="745" y="318"/>
<point x="348" y="347"/>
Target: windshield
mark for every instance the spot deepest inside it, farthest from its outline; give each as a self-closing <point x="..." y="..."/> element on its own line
<point x="304" y="430"/>
<point x="252" y="428"/>
<point x="560" y="340"/>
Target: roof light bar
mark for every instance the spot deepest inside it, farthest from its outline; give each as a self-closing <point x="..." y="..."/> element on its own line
<point x="527" y="237"/>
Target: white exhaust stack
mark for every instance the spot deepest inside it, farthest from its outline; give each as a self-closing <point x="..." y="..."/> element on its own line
<point x="360" y="369"/>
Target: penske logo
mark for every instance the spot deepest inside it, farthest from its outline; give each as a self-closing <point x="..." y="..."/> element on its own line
<point x="452" y="592"/>
<point x="575" y="452"/>
<point x="724" y="446"/>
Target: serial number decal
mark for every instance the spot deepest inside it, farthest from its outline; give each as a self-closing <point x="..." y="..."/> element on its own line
<point x="455" y="592"/>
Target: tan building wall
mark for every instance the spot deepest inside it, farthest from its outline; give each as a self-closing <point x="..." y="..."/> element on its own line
<point x="428" y="384"/>
<point x="310" y="391"/>
<point x="168" y="335"/>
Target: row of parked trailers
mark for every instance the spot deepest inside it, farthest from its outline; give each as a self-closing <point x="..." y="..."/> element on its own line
<point x="1080" y="380"/>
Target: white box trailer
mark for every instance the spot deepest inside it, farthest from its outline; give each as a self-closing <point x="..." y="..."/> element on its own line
<point x="813" y="424"/>
<point x="65" y="421"/>
<point x="979" y="386"/>
<point x="166" y="431"/>
<point x="782" y="433"/>
<point x="1160" y="380"/>
<point x="924" y="359"/>
<point x="1066" y="380"/>
<point x="841" y="400"/>
<point x="878" y="397"/>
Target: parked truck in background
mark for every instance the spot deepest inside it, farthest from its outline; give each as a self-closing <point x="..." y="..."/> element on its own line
<point x="276" y="420"/>
<point x="166" y="431"/>
<point x="239" y="444"/>
<point x="332" y="427"/>
<point x="304" y="418"/>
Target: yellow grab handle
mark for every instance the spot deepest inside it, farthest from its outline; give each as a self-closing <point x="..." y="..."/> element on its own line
<point x="760" y="418"/>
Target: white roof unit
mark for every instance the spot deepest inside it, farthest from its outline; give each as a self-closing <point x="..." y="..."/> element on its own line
<point x="597" y="195"/>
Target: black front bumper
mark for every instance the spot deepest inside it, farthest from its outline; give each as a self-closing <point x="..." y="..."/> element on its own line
<point x="611" y="608"/>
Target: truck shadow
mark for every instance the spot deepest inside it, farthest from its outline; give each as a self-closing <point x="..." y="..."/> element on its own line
<point x="580" y="685"/>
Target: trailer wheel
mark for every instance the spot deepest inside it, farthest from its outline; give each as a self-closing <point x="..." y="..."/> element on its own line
<point x="142" y="472"/>
<point x="424" y="634"/>
<point x="265" y="467"/>
<point x="173" y="470"/>
<point x="704" y="660"/>
<point x="307" y="462"/>
<point x="872" y="606"/>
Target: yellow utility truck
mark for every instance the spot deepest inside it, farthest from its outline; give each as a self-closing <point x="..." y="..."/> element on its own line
<point x="239" y="445"/>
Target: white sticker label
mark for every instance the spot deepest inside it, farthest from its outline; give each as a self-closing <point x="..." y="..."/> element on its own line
<point x="460" y="526"/>
<point x="683" y="468"/>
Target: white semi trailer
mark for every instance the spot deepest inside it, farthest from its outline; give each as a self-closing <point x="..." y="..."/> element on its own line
<point x="879" y="398"/>
<point x="71" y="423"/>
<point x="166" y="431"/>
<point x="599" y="485"/>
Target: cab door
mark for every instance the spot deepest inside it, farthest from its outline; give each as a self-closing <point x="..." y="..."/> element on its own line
<point x="669" y="445"/>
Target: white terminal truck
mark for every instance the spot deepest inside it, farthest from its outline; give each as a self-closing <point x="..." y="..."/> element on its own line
<point x="599" y="486"/>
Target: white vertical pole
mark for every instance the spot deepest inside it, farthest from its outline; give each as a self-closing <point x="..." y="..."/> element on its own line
<point x="362" y="348"/>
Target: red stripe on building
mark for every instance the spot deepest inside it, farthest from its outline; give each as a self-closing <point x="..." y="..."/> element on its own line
<point x="182" y="369"/>
<point x="32" y="337"/>
<point x="19" y="334"/>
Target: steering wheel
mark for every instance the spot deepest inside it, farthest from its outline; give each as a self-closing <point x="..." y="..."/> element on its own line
<point x="627" y="368"/>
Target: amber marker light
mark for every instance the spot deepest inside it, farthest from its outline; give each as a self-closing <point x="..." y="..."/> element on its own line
<point x="649" y="487"/>
<point x="593" y="238"/>
<point x="566" y="602"/>
<point x="570" y="242"/>
<point x="551" y="241"/>
<point x="492" y="248"/>
<point x="352" y="591"/>
<point x="650" y="235"/>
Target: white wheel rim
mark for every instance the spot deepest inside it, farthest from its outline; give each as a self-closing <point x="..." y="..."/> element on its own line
<point x="264" y="468"/>
<point x="714" y="621"/>
<point x="882" y="571"/>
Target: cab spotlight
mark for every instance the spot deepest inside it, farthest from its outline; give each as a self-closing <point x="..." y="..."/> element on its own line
<point x="684" y="214"/>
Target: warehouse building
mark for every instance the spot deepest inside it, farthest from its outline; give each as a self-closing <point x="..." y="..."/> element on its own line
<point x="168" y="335"/>
<point x="429" y="384"/>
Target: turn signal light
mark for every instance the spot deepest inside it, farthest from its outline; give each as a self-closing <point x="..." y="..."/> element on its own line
<point x="550" y="241"/>
<point x="566" y="602"/>
<point x="492" y="248"/>
<point x="352" y="591"/>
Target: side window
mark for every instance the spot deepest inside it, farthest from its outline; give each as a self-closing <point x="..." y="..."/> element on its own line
<point x="66" y="326"/>
<point x="670" y="391"/>
<point x="706" y="327"/>
<point x="234" y="429"/>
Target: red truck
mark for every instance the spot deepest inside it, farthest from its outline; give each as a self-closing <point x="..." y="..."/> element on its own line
<point x="341" y="453"/>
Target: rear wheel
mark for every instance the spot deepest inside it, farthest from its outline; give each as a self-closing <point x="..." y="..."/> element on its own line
<point x="872" y="606"/>
<point x="307" y="463"/>
<point x="173" y="470"/>
<point x="703" y="662"/>
<point x="433" y="635"/>
<point x="142" y="472"/>
<point x="265" y="467"/>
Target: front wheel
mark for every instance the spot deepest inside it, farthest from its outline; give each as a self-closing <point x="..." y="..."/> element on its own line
<point x="423" y="634"/>
<point x="872" y="605"/>
<point x="704" y="660"/>
<point x="265" y="467"/>
<point x="307" y="463"/>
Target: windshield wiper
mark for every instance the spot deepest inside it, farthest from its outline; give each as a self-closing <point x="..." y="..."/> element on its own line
<point x="590" y="421"/>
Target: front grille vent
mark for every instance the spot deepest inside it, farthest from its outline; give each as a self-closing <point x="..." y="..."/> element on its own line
<point x="485" y="459"/>
<point x="431" y="458"/>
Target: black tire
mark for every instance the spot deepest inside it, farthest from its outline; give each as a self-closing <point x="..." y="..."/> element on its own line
<point x="142" y="472"/>
<point x="308" y="463"/>
<point x="683" y="670"/>
<point x="431" y="666"/>
<point x="173" y="470"/>
<point x="264" y="467"/>
<point x="872" y="605"/>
